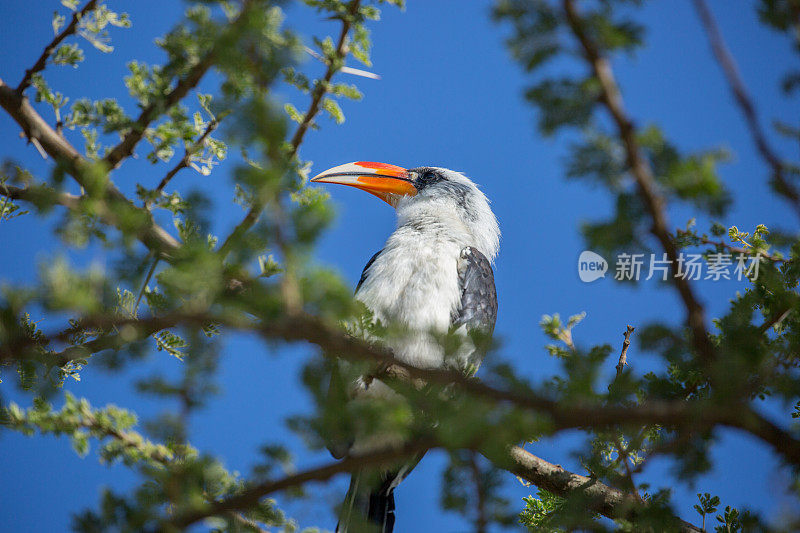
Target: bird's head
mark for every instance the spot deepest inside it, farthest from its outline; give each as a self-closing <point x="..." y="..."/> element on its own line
<point x="424" y="193"/>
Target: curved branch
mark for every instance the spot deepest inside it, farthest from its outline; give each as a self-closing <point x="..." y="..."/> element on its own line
<point x="35" y="127"/>
<point x="728" y="65"/>
<point x="601" y="498"/>
<point x="251" y="496"/>
<point x="642" y="173"/>
<point x="694" y="415"/>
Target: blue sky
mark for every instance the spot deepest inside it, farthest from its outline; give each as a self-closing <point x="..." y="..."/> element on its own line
<point x="449" y="96"/>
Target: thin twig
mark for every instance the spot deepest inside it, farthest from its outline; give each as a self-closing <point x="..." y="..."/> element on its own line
<point x="50" y="48"/>
<point x="623" y="356"/>
<point x="729" y="68"/>
<point x="732" y="249"/>
<point x="624" y="458"/>
<point x="319" y="92"/>
<point x="184" y="162"/>
<point x="642" y="173"/>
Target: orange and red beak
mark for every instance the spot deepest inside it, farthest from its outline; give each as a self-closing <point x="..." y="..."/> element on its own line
<point x="387" y="182"/>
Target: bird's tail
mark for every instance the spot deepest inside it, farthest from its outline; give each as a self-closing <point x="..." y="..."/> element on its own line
<point x="368" y="506"/>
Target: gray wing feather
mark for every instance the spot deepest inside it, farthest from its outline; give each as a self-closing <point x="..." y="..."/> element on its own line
<point x="365" y="272"/>
<point x="478" y="309"/>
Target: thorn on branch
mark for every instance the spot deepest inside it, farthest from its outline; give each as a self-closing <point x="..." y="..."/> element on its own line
<point x="776" y="319"/>
<point x="35" y="142"/>
<point x="343" y="70"/>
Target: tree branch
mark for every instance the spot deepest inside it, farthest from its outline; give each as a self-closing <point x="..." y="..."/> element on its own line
<point x="35" y="194"/>
<point x="35" y="127"/>
<point x="608" y="501"/>
<point x="131" y="440"/>
<point x="701" y="414"/>
<point x="125" y="148"/>
<point x="251" y="496"/>
<point x="642" y="173"/>
<point x="111" y="341"/>
<point x="50" y="48"/>
<point x="694" y="415"/>
<point x="731" y="72"/>
<point x="730" y="248"/>
<point x="320" y="90"/>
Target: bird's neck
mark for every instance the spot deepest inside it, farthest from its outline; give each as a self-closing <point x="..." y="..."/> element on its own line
<point x="434" y="223"/>
<point x="459" y="219"/>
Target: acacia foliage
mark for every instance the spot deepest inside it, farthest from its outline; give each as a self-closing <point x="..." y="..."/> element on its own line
<point x="751" y="358"/>
<point x="179" y="291"/>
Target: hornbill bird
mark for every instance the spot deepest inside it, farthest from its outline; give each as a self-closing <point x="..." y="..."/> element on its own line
<point x="433" y="275"/>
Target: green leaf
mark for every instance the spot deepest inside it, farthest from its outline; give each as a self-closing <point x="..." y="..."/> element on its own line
<point x="58" y="22"/>
<point x="293" y="113"/>
<point x="68" y="54"/>
<point x="333" y="109"/>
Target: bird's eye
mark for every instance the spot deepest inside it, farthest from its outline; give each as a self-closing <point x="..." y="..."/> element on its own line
<point x="429" y="176"/>
<point x="426" y="178"/>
